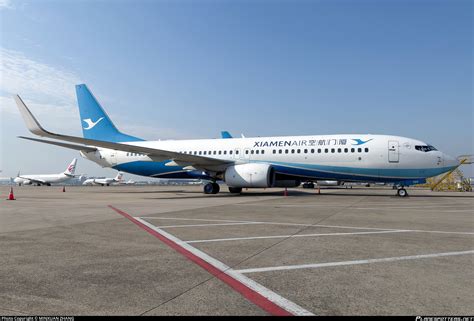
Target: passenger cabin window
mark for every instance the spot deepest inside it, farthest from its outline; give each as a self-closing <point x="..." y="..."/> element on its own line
<point x="425" y="148"/>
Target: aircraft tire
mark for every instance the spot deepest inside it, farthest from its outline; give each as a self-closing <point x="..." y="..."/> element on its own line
<point x="235" y="190"/>
<point x="402" y="192"/>
<point x="215" y="188"/>
<point x="208" y="188"/>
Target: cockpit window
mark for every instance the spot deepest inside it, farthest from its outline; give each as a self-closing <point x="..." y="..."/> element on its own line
<point x="425" y="148"/>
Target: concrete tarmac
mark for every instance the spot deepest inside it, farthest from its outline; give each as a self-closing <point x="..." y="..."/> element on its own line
<point x="359" y="251"/>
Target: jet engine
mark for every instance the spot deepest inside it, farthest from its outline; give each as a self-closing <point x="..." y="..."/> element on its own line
<point x="250" y="175"/>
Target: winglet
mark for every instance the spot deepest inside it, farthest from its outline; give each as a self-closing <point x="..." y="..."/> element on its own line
<point x="226" y="134"/>
<point x="30" y="120"/>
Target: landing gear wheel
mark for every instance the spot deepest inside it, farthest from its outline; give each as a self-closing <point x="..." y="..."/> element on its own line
<point x="235" y="190"/>
<point x="208" y="188"/>
<point x="402" y="192"/>
<point x="211" y="188"/>
<point x="308" y="185"/>
<point x="215" y="188"/>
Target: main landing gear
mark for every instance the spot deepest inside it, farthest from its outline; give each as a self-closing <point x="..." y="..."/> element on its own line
<point x="401" y="192"/>
<point x="235" y="190"/>
<point x="308" y="185"/>
<point x="211" y="188"/>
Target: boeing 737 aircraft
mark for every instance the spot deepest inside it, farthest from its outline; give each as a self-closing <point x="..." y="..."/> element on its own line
<point x="249" y="162"/>
<point x="104" y="181"/>
<point x="47" y="179"/>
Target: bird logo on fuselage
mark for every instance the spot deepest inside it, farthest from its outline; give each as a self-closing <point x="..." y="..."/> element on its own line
<point x="90" y="123"/>
<point x="359" y="141"/>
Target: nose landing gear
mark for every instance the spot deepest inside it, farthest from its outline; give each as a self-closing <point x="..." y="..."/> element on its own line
<point x="401" y="192"/>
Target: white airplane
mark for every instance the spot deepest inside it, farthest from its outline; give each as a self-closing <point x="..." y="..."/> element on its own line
<point x="129" y="182"/>
<point x="104" y="181"/>
<point x="47" y="179"/>
<point x="249" y="162"/>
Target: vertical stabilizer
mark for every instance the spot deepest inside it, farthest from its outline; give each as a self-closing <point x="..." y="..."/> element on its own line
<point x="95" y="122"/>
<point x="119" y="176"/>
<point x="71" y="169"/>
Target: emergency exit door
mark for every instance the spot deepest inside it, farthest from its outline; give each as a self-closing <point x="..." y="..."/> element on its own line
<point x="393" y="152"/>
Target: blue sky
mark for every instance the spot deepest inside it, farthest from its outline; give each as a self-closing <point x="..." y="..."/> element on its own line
<point x="189" y="69"/>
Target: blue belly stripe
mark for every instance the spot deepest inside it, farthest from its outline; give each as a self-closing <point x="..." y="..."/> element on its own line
<point x="158" y="169"/>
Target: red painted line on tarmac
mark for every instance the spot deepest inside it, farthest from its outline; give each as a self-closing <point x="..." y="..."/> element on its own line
<point x="247" y="292"/>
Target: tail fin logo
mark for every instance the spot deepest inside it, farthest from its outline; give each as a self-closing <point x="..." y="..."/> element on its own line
<point x="91" y="124"/>
<point x="71" y="168"/>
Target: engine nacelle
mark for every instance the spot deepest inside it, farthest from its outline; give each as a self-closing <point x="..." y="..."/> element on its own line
<point x="249" y="175"/>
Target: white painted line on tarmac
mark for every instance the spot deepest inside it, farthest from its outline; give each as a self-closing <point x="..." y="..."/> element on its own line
<point x="312" y="225"/>
<point x="291" y="236"/>
<point x="205" y="225"/>
<point x="441" y="208"/>
<point x="368" y="206"/>
<point x="442" y="232"/>
<point x="254" y="286"/>
<point x="190" y="219"/>
<point x="330" y="264"/>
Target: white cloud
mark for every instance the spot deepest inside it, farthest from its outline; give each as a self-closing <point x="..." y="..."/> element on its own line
<point x="6" y="4"/>
<point x="46" y="89"/>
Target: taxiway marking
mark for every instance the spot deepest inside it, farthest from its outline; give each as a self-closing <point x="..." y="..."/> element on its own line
<point x="310" y="225"/>
<point x="356" y="262"/>
<point x="291" y="236"/>
<point x="253" y="291"/>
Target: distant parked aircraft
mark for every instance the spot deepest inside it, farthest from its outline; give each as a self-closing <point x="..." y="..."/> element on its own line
<point x="104" y="181"/>
<point x="47" y="179"/>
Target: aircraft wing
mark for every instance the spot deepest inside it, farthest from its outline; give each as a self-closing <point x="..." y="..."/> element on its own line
<point x="160" y="155"/>
<point x="71" y="146"/>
